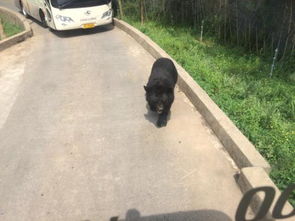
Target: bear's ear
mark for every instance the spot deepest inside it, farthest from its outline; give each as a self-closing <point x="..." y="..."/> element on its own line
<point x="146" y="88"/>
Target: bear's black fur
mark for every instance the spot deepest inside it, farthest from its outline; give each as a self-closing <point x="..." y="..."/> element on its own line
<point x="160" y="88"/>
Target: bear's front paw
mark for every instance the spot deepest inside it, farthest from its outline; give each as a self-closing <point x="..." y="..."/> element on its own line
<point x="161" y="122"/>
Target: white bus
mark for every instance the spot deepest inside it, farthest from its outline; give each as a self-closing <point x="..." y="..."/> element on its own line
<point x="68" y="14"/>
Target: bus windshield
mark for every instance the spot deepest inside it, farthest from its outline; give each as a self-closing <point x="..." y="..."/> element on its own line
<point x="77" y="3"/>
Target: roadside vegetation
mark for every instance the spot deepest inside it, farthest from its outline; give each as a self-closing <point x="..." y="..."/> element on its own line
<point x="7" y="28"/>
<point x="236" y="74"/>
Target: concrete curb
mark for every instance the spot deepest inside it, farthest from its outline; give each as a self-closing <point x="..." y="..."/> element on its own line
<point x="253" y="177"/>
<point x="19" y="20"/>
<point x="254" y="168"/>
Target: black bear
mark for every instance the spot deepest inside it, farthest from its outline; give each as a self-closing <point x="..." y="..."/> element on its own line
<point x="160" y="88"/>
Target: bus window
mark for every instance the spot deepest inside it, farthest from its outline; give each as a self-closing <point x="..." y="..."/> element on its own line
<point x="61" y="4"/>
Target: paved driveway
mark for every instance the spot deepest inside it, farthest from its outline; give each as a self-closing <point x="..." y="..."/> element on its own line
<point x="77" y="141"/>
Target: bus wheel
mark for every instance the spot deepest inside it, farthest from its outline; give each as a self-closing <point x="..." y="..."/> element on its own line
<point x="43" y="19"/>
<point x="23" y="10"/>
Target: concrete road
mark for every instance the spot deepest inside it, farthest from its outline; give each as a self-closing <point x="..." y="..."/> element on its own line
<point x="8" y="4"/>
<point x="77" y="141"/>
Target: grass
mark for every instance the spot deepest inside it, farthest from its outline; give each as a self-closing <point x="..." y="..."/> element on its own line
<point x="263" y="108"/>
<point x="9" y="28"/>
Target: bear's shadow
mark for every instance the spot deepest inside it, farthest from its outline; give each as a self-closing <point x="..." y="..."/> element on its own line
<point x="152" y="116"/>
